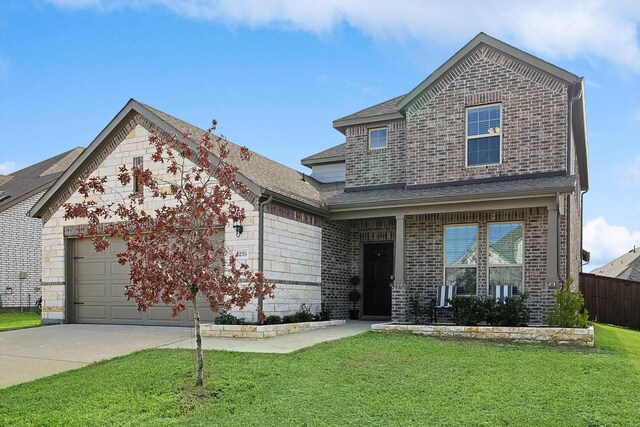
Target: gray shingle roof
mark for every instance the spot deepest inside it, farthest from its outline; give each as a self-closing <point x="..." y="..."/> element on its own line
<point x="625" y="267"/>
<point x="261" y="170"/>
<point x="335" y="197"/>
<point x="38" y="177"/>
<point x="334" y="153"/>
<point x="385" y="107"/>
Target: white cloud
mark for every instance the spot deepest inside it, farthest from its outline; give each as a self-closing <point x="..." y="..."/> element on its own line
<point x="632" y="171"/>
<point x="590" y="29"/>
<point x="607" y="242"/>
<point x="8" y="167"/>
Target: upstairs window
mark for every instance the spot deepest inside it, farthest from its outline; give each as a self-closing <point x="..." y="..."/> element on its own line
<point x="461" y="257"/>
<point x="137" y="183"/>
<point x="484" y="127"/>
<point x="377" y="138"/>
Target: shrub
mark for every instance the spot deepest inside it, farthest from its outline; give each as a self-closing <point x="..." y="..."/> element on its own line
<point x="273" y="320"/>
<point x="326" y="310"/>
<point x="288" y="318"/>
<point x="512" y="312"/>
<point x="304" y="315"/>
<point x="568" y="309"/>
<point x="228" y="319"/>
<point x="468" y="311"/>
<point x="421" y="312"/>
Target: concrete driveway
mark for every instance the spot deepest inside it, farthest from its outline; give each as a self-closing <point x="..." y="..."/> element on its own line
<point x="28" y="354"/>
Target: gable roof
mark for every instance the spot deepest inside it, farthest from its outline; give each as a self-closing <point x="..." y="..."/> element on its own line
<point x="483" y="38"/>
<point x="387" y="110"/>
<point x="396" y="108"/>
<point x="334" y="154"/>
<point x="22" y="184"/>
<point x="262" y="176"/>
<point x="625" y="267"/>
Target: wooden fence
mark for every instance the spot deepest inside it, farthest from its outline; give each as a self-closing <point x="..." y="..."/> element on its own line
<point x="610" y="300"/>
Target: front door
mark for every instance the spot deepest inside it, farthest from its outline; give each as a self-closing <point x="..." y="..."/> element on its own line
<point x="378" y="269"/>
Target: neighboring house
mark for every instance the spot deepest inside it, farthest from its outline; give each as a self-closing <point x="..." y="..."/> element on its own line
<point x="21" y="235"/>
<point x="475" y="177"/>
<point x="625" y="267"/>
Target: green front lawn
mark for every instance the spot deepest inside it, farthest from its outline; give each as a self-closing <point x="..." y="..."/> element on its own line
<point x="372" y="379"/>
<point x="18" y="319"/>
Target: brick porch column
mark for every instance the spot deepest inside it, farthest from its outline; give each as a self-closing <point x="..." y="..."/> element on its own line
<point x="399" y="294"/>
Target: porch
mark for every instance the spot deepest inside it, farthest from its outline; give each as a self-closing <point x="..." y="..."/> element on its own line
<point x="414" y="253"/>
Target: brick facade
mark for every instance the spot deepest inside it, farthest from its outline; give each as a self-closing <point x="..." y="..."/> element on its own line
<point x="381" y="166"/>
<point x="430" y="147"/>
<point x="20" y="253"/>
<point x="424" y="256"/>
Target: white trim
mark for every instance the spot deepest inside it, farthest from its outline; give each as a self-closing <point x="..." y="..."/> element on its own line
<point x="521" y="289"/>
<point x="487" y="135"/>
<point x="444" y="252"/>
<point x="386" y="139"/>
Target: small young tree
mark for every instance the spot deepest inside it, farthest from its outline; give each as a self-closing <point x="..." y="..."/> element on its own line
<point x="172" y="251"/>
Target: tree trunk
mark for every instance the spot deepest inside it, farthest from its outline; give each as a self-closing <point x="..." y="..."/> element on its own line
<point x="196" y="315"/>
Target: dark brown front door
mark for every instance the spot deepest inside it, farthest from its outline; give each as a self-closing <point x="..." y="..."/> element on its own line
<point x="378" y="269"/>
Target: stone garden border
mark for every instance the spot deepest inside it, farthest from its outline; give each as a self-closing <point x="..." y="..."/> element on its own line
<point x="569" y="336"/>
<point x="263" y="331"/>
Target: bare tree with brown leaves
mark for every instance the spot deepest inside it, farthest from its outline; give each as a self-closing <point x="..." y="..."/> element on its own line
<point x="172" y="251"/>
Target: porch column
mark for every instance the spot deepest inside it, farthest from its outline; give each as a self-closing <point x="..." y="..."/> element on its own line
<point x="398" y="272"/>
<point x="552" y="244"/>
<point x="399" y="294"/>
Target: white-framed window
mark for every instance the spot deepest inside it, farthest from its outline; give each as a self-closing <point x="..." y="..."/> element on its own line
<point x="377" y="138"/>
<point x="505" y="255"/>
<point x="484" y="135"/>
<point x="461" y="257"/>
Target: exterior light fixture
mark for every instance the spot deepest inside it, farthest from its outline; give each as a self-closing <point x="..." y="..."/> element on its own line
<point x="238" y="227"/>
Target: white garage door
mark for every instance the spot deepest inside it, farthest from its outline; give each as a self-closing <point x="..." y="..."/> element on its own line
<point x="98" y="292"/>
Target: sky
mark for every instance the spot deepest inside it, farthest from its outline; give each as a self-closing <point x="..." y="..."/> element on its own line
<point x="275" y="74"/>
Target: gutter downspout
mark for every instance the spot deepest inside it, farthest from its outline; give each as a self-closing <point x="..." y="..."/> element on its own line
<point x="569" y="164"/>
<point x="558" y="236"/>
<point x="261" y="241"/>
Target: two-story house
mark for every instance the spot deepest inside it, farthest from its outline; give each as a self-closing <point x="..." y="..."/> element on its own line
<point x="473" y="178"/>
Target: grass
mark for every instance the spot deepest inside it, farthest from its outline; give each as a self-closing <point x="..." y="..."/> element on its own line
<point x="10" y="320"/>
<point x="371" y="379"/>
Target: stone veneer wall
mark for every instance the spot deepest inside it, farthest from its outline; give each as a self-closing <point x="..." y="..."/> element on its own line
<point x="135" y="143"/>
<point x="292" y="261"/>
<point x="424" y="238"/>
<point x="561" y="336"/>
<point x="20" y="251"/>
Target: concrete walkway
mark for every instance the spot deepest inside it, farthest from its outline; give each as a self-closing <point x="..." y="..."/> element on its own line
<point x="28" y="354"/>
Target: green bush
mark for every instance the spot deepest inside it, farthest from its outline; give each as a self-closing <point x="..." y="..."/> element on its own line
<point x="273" y="320"/>
<point x="513" y="311"/>
<point x="468" y="310"/>
<point x="568" y="309"/>
<point x="419" y="310"/>
<point x="228" y="319"/>
<point x="304" y="315"/>
<point x="288" y="319"/>
<point x="326" y="310"/>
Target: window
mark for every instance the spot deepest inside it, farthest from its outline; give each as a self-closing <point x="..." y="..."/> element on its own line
<point x="460" y="257"/>
<point x="484" y="126"/>
<point x="505" y="258"/>
<point x="137" y="183"/>
<point x="377" y="138"/>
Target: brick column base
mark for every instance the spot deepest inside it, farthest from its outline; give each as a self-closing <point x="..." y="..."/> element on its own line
<point x="399" y="303"/>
